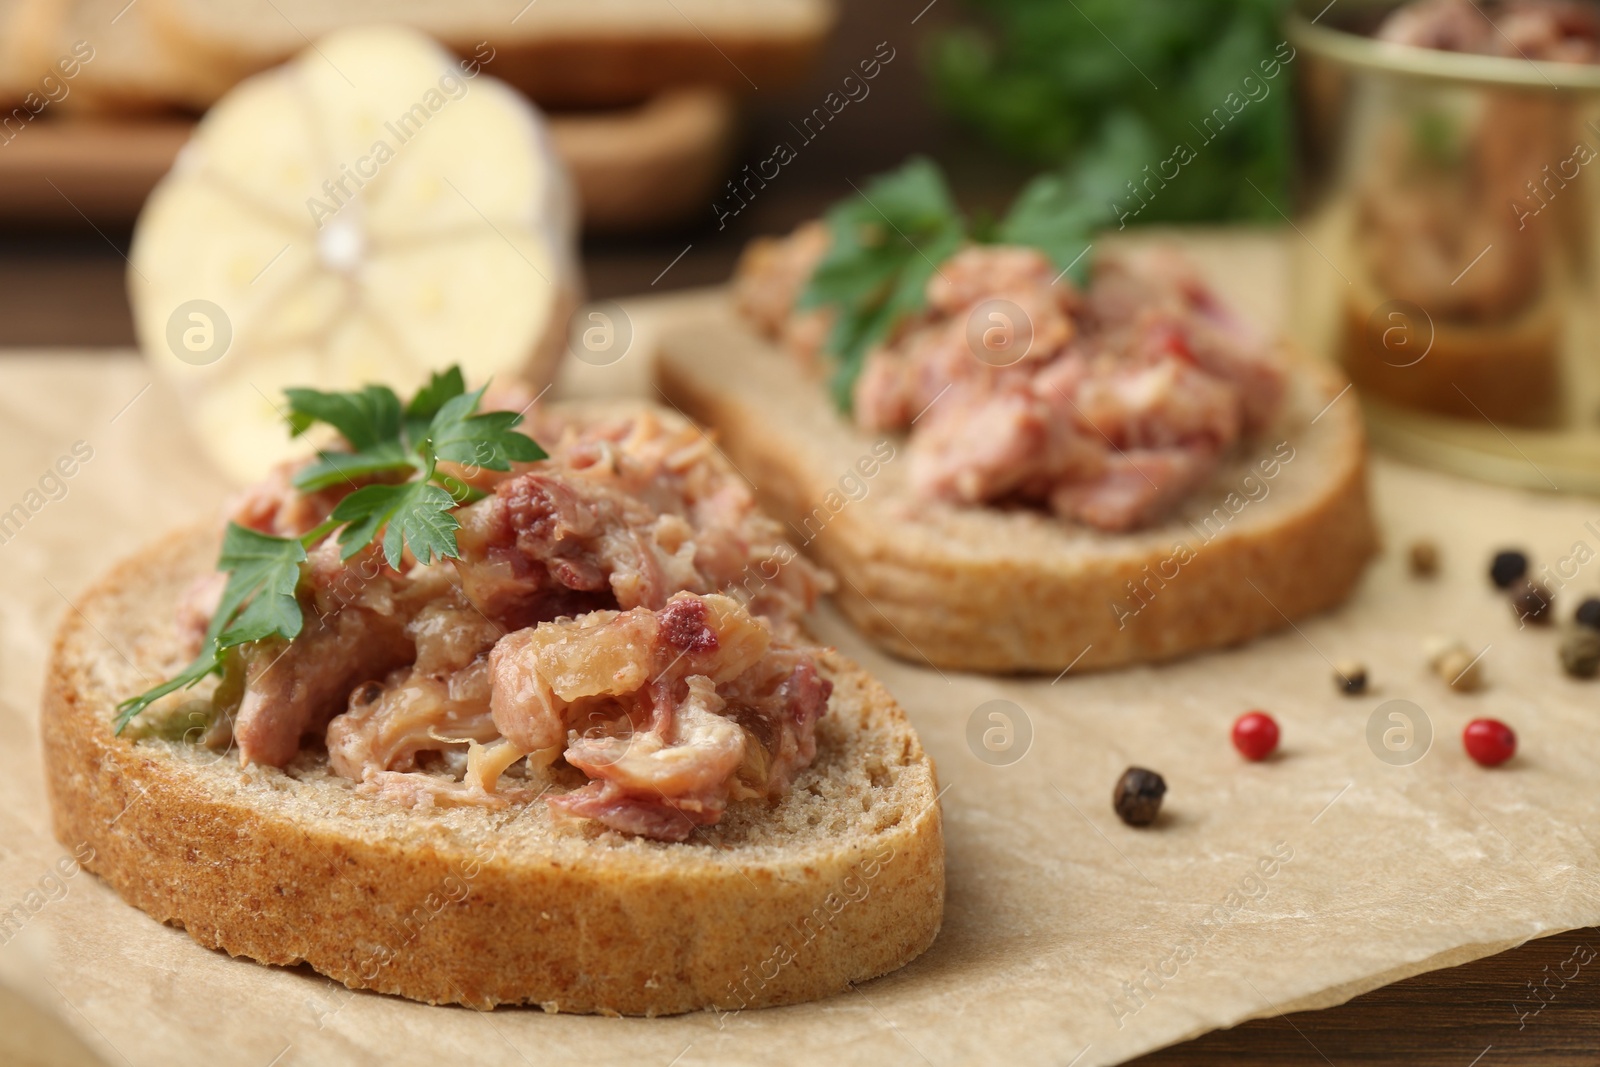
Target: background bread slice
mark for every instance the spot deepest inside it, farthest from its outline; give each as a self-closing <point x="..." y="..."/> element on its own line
<point x="846" y="874"/>
<point x="986" y="589"/>
<point x="565" y="52"/>
<point x="27" y="30"/>
<point x="134" y="68"/>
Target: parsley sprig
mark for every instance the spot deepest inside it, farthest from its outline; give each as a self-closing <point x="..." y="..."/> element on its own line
<point x="890" y="238"/>
<point x="408" y="501"/>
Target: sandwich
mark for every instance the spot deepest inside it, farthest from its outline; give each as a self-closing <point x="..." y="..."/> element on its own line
<point x="447" y="713"/>
<point x="1014" y="461"/>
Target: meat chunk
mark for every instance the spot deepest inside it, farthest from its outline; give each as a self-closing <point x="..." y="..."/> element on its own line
<point x="706" y="748"/>
<point x="774" y="271"/>
<point x="573" y="615"/>
<point x="435" y="704"/>
<point x="1154" y="305"/>
<point x="1135" y="488"/>
<point x="1107" y="406"/>
<point x="671" y="713"/>
<point x="355" y="629"/>
<point x="981" y="446"/>
<point x="1561" y="31"/>
<point x="274" y="506"/>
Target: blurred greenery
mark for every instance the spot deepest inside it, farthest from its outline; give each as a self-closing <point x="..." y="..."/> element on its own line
<point x="1104" y="88"/>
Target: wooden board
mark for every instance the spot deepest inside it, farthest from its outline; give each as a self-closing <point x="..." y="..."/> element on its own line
<point x="635" y="168"/>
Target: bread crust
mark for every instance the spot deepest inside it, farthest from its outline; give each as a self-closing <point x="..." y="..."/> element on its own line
<point x="839" y="882"/>
<point x="992" y="590"/>
<point x="560" y="58"/>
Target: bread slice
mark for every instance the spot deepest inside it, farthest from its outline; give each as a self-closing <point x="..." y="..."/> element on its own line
<point x="1007" y="590"/>
<point x="27" y="31"/>
<point x="840" y="881"/>
<point x="134" y="69"/>
<point x="560" y="52"/>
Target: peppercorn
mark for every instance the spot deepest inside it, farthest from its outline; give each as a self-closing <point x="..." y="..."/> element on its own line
<point x="1350" y="677"/>
<point x="1456" y="666"/>
<point x="1507" y="567"/>
<point x="1580" y="652"/>
<point x="1490" y="742"/>
<point x="1533" y="602"/>
<point x="1138" y="796"/>
<point x="1588" y="613"/>
<point x="1424" y="559"/>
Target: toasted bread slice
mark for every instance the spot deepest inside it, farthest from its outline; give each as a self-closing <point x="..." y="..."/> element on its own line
<point x="27" y="31"/>
<point x="560" y="52"/>
<point x="840" y="881"/>
<point x="981" y="588"/>
<point x="134" y="69"/>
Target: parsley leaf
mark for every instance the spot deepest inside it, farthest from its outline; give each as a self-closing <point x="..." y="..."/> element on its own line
<point x="441" y="417"/>
<point x="263" y="572"/>
<point x="442" y="386"/>
<point x="887" y="241"/>
<point x="366" y="418"/>
<point x="257" y="602"/>
<point x="1036" y="78"/>
<point x="415" y="512"/>
<point x="335" y="468"/>
<point x="486" y="440"/>
<point x="204" y="666"/>
<point x="1052" y="216"/>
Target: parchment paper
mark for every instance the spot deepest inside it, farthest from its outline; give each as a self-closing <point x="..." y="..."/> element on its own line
<point x="1296" y="883"/>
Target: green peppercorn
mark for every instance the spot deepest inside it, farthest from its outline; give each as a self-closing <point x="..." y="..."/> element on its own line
<point x="1580" y="652"/>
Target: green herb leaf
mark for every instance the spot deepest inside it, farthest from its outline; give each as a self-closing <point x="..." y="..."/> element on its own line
<point x="1038" y="79"/>
<point x="442" y="386"/>
<point x="336" y="468"/>
<point x="417" y="514"/>
<point x="886" y="242"/>
<point x="263" y="572"/>
<point x="1054" y="216"/>
<point x="257" y="602"/>
<point x="366" y="418"/>
<point x="204" y="666"/>
<point x="486" y="440"/>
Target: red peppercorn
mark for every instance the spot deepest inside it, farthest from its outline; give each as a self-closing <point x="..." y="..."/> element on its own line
<point x="1489" y="741"/>
<point x="1255" y="735"/>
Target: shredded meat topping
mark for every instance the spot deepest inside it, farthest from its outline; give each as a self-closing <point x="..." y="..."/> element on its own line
<point x="615" y="615"/>
<point x="1562" y="31"/>
<point x="1114" y="405"/>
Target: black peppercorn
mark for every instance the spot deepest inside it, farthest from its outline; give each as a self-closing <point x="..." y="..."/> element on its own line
<point x="1350" y="677"/>
<point x="1588" y="613"/>
<point x="1533" y="603"/>
<point x="1138" y="796"/>
<point x="1507" y="567"/>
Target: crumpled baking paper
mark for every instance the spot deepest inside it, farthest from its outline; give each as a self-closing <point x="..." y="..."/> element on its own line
<point x="1333" y="868"/>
